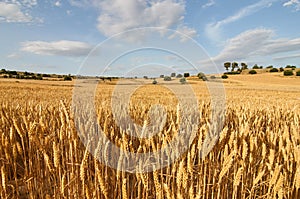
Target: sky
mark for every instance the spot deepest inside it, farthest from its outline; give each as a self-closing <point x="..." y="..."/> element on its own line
<point x="113" y="36"/>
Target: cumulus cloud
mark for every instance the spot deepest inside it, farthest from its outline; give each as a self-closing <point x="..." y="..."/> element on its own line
<point x="60" y="48"/>
<point x="12" y="13"/>
<point x="213" y="30"/>
<point x="116" y="16"/>
<point x="255" y="43"/>
<point x="295" y="3"/>
<point x="57" y="4"/>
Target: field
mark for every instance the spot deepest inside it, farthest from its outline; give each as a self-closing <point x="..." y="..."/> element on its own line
<point x="256" y="156"/>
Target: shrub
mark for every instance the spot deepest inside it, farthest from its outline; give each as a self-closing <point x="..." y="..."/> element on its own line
<point x="186" y="74"/>
<point x="270" y="66"/>
<point x="233" y="73"/>
<point x="255" y="67"/>
<point x="274" y="70"/>
<point x="281" y="69"/>
<point x="154" y="82"/>
<point x="173" y="74"/>
<point x="288" y="73"/>
<point x="252" y="72"/>
<point x="161" y="76"/>
<point x="167" y="78"/>
<point x="298" y="73"/>
<point x="67" y="78"/>
<point x="224" y="76"/>
<point x="179" y="76"/>
<point x="212" y="77"/>
<point x="182" y="80"/>
<point x="202" y="76"/>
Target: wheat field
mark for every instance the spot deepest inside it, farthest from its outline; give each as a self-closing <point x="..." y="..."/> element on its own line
<point x="256" y="156"/>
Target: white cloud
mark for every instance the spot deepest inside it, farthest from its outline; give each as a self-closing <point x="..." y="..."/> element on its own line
<point x="57" y="4"/>
<point x="212" y="30"/>
<point x="209" y="4"/>
<point x="12" y="13"/>
<point x="295" y="3"/>
<point x="116" y="16"/>
<point x="254" y="44"/>
<point x="60" y="48"/>
<point x="184" y="33"/>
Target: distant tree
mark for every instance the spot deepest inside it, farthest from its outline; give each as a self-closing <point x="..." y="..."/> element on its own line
<point x="173" y="74"/>
<point x="154" y="82"/>
<point x="2" y="71"/>
<point x="182" y="80"/>
<point x="298" y="73"/>
<point x="161" y="76"/>
<point x="244" y="66"/>
<point x="227" y="65"/>
<point x="274" y="70"/>
<point x="288" y="73"/>
<point x="145" y="77"/>
<point x="167" y="78"/>
<point x="261" y="67"/>
<point x="212" y="77"/>
<point x="179" y="76"/>
<point x="67" y="78"/>
<point x="270" y="66"/>
<point x="234" y="65"/>
<point x="281" y="69"/>
<point x="255" y="66"/>
<point x="186" y="74"/>
<point x="224" y="76"/>
<point x="252" y="72"/>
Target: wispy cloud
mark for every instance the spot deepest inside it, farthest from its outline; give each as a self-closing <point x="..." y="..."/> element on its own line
<point x="295" y="3"/>
<point x="287" y="57"/>
<point x="12" y="13"/>
<point x="255" y="44"/>
<point x="209" y="4"/>
<point x="213" y="29"/>
<point x="59" y="48"/>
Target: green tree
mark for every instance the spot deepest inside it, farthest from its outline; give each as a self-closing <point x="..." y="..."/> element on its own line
<point x="244" y="66"/>
<point x="234" y="65"/>
<point x="227" y="65"/>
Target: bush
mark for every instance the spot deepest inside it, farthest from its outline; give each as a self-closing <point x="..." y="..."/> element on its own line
<point x="179" y="76"/>
<point x="270" y="66"/>
<point x="274" y="70"/>
<point x="224" y="76"/>
<point x="186" y="74"/>
<point x="281" y="69"/>
<point x="298" y="73"/>
<point x="67" y="78"/>
<point x="167" y="78"/>
<point x="173" y="74"/>
<point x="182" y="80"/>
<point x="154" y="82"/>
<point x="255" y="67"/>
<point x="288" y="73"/>
<point x="252" y="72"/>
<point x="233" y="73"/>
<point x="202" y="76"/>
<point x="212" y="77"/>
<point x="161" y="76"/>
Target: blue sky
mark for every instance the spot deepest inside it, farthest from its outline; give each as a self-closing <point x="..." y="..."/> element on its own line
<point x="55" y="36"/>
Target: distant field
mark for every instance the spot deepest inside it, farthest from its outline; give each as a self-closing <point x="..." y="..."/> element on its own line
<point x="257" y="155"/>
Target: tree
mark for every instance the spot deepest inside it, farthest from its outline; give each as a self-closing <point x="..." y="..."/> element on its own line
<point x="173" y="74"/>
<point x="288" y="73"/>
<point x="255" y="66"/>
<point x="179" y="76"/>
<point x="244" y="66"/>
<point x="224" y="76"/>
<point x="227" y="65"/>
<point x="167" y="78"/>
<point x="186" y="74"/>
<point x="234" y="65"/>
<point x="274" y="70"/>
<point x="161" y="76"/>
